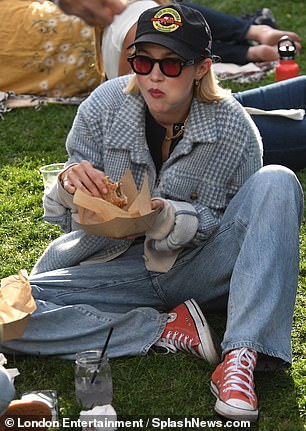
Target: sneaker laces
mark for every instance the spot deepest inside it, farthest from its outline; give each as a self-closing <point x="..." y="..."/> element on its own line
<point x="171" y="342"/>
<point x="239" y="374"/>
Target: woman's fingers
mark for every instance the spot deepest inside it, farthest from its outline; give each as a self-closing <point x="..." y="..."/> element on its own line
<point x="85" y="177"/>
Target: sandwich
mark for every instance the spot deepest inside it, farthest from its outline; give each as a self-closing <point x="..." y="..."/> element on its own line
<point x="114" y="193"/>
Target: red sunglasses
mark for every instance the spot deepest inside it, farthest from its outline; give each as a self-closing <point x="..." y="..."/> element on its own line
<point x="171" y="67"/>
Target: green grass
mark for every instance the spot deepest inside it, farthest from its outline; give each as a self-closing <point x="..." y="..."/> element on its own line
<point x="152" y="386"/>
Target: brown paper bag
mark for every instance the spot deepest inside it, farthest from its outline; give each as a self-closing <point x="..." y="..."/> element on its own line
<point x="16" y="305"/>
<point x="99" y="217"/>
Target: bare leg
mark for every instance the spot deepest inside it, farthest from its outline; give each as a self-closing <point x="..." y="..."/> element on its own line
<point x="262" y="53"/>
<point x="265" y="35"/>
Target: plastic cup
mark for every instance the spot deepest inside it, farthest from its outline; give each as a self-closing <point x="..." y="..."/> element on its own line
<point x="49" y="174"/>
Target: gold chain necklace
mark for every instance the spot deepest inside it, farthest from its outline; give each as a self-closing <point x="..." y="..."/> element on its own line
<point x="179" y="133"/>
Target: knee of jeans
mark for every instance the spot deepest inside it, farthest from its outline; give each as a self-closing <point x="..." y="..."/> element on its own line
<point x="284" y="182"/>
<point x="278" y="176"/>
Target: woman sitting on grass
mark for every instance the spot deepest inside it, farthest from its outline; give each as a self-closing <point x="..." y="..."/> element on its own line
<point x="222" y="231"/>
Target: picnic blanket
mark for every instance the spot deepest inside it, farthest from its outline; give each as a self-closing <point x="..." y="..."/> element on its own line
<point x="10" y="100"/>
<point x="44" y="51"/>
<point x="250" y="72"/>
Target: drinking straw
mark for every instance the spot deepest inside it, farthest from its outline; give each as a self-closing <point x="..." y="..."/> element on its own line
<point x="102" y="356"/>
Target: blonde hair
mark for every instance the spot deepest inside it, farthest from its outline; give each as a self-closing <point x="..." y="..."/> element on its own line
<point x="207" y="89"/>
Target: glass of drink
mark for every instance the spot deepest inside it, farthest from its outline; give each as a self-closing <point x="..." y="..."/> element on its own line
<point x="93" y="379"/>
<point x="49" y="174"/>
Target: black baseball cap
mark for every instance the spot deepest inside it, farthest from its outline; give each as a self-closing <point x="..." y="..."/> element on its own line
<point x="180" y="28"/>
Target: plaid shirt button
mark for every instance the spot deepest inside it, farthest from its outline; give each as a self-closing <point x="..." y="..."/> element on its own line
<point x="193" y="196"/>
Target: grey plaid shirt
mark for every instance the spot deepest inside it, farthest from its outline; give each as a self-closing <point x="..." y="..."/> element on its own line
<point x="221" y="148"/>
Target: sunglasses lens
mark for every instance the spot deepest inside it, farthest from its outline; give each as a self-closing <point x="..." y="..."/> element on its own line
<point x="171" y="67"/>
<point x="142" y="65"/>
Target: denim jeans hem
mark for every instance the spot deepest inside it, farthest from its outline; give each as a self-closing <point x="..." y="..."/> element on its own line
<point x="160" y="330"/>
<point x="259" y="348"/>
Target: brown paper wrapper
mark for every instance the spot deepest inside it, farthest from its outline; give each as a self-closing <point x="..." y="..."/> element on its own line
<point x="16" y="305"/>
<point x="99" y="217"/>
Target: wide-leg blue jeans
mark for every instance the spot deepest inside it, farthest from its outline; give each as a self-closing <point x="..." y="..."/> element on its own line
<point x="284" y="140"/>
<point x="253" y="259"/>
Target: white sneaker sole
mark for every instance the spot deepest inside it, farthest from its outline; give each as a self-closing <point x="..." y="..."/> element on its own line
<point x="231" y="412"/>
<point x="208" y="341"/>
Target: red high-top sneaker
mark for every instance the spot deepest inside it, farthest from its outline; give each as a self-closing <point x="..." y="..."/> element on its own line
<point x="233" y="385"/>
<point x="188" y="330"/>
